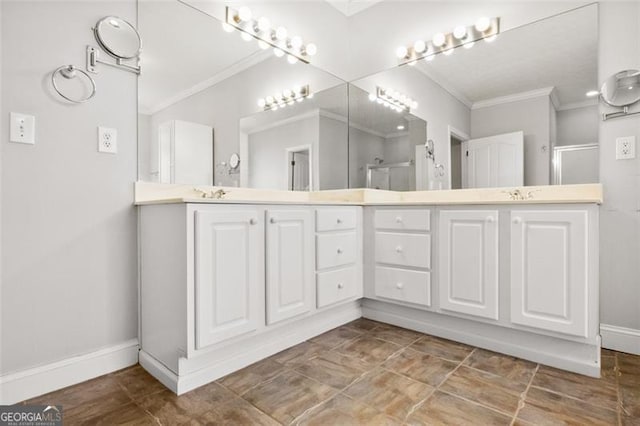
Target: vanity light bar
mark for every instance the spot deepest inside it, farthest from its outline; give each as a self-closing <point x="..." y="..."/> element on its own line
<point x="484" y="29"/>
<point x="393" y="99"/>
<point x="287" y="97"/>
<point x="275" y="37"/>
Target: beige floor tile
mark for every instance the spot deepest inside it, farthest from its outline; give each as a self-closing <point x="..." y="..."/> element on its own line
<point x="390" y="392"/>
<point x="445" y="409"/>
<point x="363" y="324"/>
<point x="137" y="383"/>
<point x="485" y="388"/>
<point x="629" y="370"/>
<point x="334" y="369"/>
<point x="243" y="380"/>
<point x="420" y="366"/>
<point x="336" y="337"/>
<point x="601" y="392"/>
<point x="298" y="354"/>
<point x="288" y="395"/>
<point x="397" y="335"/>
<point x="442" y="348"/>
<point x="502" y="365"/>
<point x="545" y="408"/>
<point x="630" y="399"/>
<point x="369" y="349"/>
<point x="105" y="388"/>
<point x="342" y="410"/>
<point x="236" y="411"/>
<point x="130" y="414"/>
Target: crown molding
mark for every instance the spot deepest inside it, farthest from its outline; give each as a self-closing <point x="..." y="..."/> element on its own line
<point x="303" y="116"/>
<point x="226" y="73"/>
<point x="351" y="7"/>
<point x="554" y="98"/>
<point x="576" y="105"/>
<point x="515" y="97"/>
<point x="444" y="83"/>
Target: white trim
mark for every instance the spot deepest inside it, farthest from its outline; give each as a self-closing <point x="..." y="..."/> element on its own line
<point x="576" y="105"/>
<point x="514" y="97"/>
<point x="333" y="116"/>
<point x="554" y="98"/>
<point x="226" y="73"/>
<point x="459" y="134"/>
<point x="300" y="148"/>
<point x="26" y="384"/>
<point x="288" y="120"/>
<point x="620" y="339"/>
<point x="442" y="82"/>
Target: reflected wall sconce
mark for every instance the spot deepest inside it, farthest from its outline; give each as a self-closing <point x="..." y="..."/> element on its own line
<point x="267" y="35"/>
<point x="484" y="29"/>
<point x="286" y="98"/>
<point x="393" y="99"/>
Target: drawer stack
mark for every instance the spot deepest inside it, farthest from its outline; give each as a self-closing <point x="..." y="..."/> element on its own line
<point x="403" y="255"/>
<point x="338" y="254"/>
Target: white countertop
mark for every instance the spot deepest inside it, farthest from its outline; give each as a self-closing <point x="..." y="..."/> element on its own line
<point x="155" y="193"/>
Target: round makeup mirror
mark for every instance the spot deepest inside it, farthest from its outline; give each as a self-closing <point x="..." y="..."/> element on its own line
<point x="117" y="37"/>
<point x="234" y="161"/>
<point x="622" y="89"/>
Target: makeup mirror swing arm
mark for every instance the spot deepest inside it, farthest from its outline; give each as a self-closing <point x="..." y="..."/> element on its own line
<point x="93" y="59"/>
<point x="624" y="113"/>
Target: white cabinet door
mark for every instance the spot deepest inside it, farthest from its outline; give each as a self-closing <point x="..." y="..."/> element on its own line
<point x="549" y="277"/>
<point x="290" y="270"/>
<point x="229" y="274"/>
<point x="468" y="244"/>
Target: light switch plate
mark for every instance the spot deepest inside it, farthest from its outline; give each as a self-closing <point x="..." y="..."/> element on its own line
<point x="626" y="148"/>
<point x="22" y="128"/>
<point x="107" y="140"/>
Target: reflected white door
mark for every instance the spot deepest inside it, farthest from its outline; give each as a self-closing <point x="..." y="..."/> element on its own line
<point x="495" y="161"/>
<point x="576" y="164"/>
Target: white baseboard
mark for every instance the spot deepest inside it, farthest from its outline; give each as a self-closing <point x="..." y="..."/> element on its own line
<point x="620" y="338"/>
<point x="26" y="384"/>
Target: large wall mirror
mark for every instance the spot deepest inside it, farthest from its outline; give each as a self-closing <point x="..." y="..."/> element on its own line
<point x="200" y="119"/>
<point x="516" y="110"/>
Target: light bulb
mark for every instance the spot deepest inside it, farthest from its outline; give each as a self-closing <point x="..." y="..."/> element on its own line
<point x="261" y="103"/>
<point x="372" y="97"/>
<point x="483" y="24"/>
<point x="419" y="46"/>
<point x="414" y="104"/>
<point x="281" y="33"/>
<point x="386" y="104"/>
<point x="296" y="42"/>
<point x="246" y="37"/>
<point x="401" y="52"/>
<point x="379" y="101"/>
<point x="592" y="93"/>
<point x="263" y="24"/>
<point x="263" y="44"/>
<point x="439" y="39"/>
<point x="244" y="14"/>
<point x="227" y="28"/>
<point x="491" y="38"/>
<point x="279" y="53"/>
<point x="287" y="93"/>
<point x="297" y="89"/>
<point x="430" y="58"/>
<point x="400" y="127"/>
<point x="291" y="102"/>
<point x="299" y="99"/>
<point x="292" y="59"/>
<point x="310" y="95"/>
<point x="469" y="44"/>
<point x="412" y="63"/>
<point x="459" y="32"/>
<point x="270" y="99"/>
<point x="311" y="49"/>
<point x="275" y="107"/>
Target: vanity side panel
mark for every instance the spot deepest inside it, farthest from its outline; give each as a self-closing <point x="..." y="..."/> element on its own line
<point x="163" y="273"/>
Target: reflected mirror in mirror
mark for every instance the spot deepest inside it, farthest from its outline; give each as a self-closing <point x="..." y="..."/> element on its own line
<point x="117" y="37"/>
<point x="199" y="104"/>
<point x="622" y="89"/>
<point x="496" y="115"/>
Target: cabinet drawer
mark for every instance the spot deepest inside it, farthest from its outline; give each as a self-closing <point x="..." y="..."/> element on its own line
<point x="403" y="285"/>
<point x="336" y="286"/>
<point x="337" y="219"/>
<point x="404" y="249"/>
<point x="336" y="249"/>
<point x="407" y="219"/>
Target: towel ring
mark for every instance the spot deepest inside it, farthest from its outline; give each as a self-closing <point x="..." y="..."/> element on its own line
<point x="69" y="72"/>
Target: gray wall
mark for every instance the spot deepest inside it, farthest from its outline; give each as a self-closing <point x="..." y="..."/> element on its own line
<point x="532" y="116"/>
<point x="620" y="214"/>
<point x="578" y="126"/>
<point x="69" y="226"/>
<point x="333" y="149"/>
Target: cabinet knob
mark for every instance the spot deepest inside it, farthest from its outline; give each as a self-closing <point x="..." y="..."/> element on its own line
<point x="338" y="220"/>
<point x="399" y="286"/>
<point x="398" y="219"/>
<point x="517" y="220"/>
<point x="399" y="249"/>
<point x="272" y="220"/>
<point x="252" y="221"/>
<point x="339" y="250"/>
<point x="490" y="219"/>
<point x="340" y="285"/>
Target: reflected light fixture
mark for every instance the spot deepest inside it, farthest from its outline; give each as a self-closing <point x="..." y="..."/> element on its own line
<point x="592" y="93"/>
<point x="285" y="98"/>
<point x="392" y="99"/>
<point x="484" y="29"/>
<point x="400" y="127"/>
<point x="260" y="29"/>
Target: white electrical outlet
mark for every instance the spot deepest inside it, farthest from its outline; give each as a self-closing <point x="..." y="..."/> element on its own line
<point x="22" y="128"/>
<point x="625" y="148"/>
<point x="107" y="140"/>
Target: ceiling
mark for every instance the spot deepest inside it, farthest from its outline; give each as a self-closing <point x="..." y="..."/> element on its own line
<point x="171" y="32"/>
<point x="352" y="7"/>
<point x="558" y="52"/>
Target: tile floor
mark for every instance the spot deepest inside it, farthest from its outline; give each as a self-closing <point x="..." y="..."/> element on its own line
<point x="370" y="373"/>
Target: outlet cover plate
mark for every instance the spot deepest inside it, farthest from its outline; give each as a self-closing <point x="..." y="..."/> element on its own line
<point x="22" y="128"/>
<point x="107" y="140"/>
<point x="625" y="148"/>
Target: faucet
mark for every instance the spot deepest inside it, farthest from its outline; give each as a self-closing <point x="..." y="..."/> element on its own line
<point x="211" y="194"/>
<point x="518" y="195"/>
